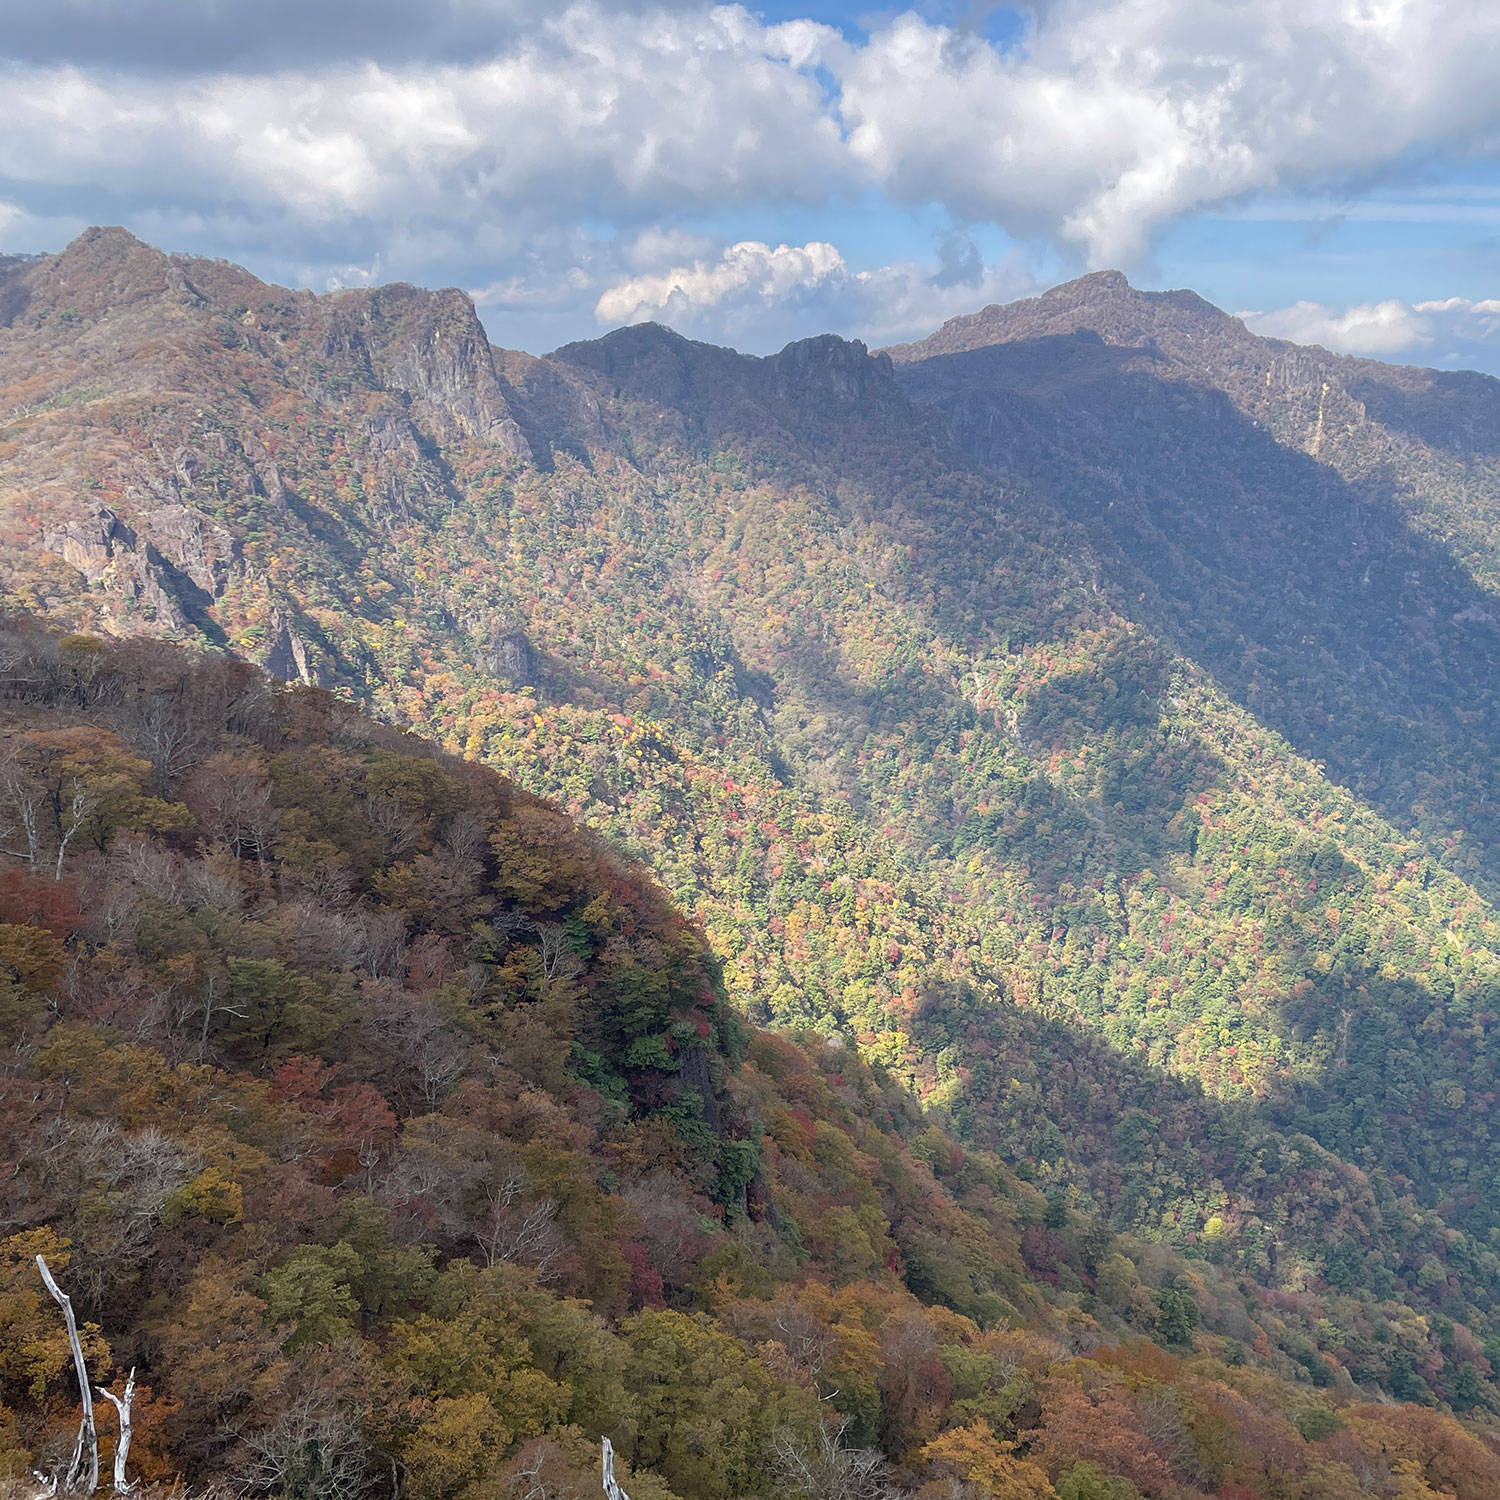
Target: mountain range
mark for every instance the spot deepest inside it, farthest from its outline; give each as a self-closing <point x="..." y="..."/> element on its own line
<point x="1086" y="714"/>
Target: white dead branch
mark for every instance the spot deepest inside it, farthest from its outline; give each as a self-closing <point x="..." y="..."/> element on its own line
<point x="83" y="1471"/>
<point x="611" y="1484"/>
<point x="122" y="1405"/>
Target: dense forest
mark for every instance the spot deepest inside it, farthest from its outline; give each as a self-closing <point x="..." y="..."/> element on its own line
<point x="987" y="714"/>
<point x="399" y="1138"/>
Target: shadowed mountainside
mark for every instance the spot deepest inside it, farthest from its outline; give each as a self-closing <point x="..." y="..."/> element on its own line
<point x="1307" y="587"/>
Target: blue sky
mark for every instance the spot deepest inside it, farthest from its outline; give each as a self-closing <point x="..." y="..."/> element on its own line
<point x="1326" y="167"/>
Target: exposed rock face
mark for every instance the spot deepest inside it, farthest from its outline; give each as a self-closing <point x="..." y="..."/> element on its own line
<point x="430" y="348"/>
<point x="508" y="653"/>
<point x="202" y="549"/>
<point x="831" y="366"/>
<point x="287" y="656"/>
<point x="204" y="408"/>
<point x="91" y="543"/>
<point x="109" y="553"/>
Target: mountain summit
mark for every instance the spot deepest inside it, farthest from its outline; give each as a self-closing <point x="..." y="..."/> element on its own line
<point x="1102" y="303"/>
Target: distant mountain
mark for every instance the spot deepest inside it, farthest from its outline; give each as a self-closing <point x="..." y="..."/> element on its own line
<point x="1322" y="533"/>
<point x="1061" y="712"/>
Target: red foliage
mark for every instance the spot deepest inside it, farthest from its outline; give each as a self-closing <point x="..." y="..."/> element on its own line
<point x="1043" y="1252"/>
<point x="28" y="900"/>
<point x="354" y="1118"/>
<point x="646" y="1289"/>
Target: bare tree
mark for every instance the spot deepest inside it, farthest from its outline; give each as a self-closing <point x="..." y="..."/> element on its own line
<point x="438" y="1053"/>
<point x="24" y="798"/>
<point x="80" y="805"/>
<point x="559" y="961"/>
<point x="164" y="727"/>
<point x="145" y="864"/>
<point x="124" y="1177"/>
<point x="215" y="1005"/>
<point x="122" y="1405"/>
<point x="324" y="937"/>
<point x="1161" y="1421"/>
<point x="85" y="1462"/>
<point x="827" y="1470"/>
<point x="231" y="797"/>
<point x="668" y="1226"/>
<point x="505" y="927"/>
<point x="465" y="840"/>
<point x="384" y="943"/>
<point x="808" y="1341"/>
<point x="520" y="1231"/>
<point x="395" y="825"/>
<point x="314" y="1449"/>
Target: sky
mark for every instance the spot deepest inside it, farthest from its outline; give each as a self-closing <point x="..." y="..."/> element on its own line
<point x="1327" y="169"/>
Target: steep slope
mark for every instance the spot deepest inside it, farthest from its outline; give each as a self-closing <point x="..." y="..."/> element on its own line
<point x="193" y="442"/>
<point x="1320" y="532"/>
<point x="882" y="718"/>
<point x="398" y="1138"/>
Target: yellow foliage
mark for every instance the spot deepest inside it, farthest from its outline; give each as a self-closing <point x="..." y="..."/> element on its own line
<point x="33" y="1337"/>
<point x="33" y="956"/>
<point x="459" y="1439"/>
<point x="210" y="1195"/>
<point x="976" y="1455"/>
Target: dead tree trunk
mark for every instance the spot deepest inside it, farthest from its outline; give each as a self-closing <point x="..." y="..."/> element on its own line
<point x="611" y="1484"/>
<point x="121" y="1405"/>
<point x="83" y="1471"/>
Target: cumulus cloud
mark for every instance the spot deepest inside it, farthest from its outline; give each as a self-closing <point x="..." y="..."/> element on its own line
<point x="1367" y="328"/>
<point x="1106" y="119"/>
<point x="1450" y="330"/>
<point x="1117" y="115"/>
<point x="760" y="297"/>
<point x="461" y="138"/>
<point x="591" y="114"/>
<point x="749" y="272"/>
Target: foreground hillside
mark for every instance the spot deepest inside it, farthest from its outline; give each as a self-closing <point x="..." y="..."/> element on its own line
<point x="400" y="1139"/>
<point x="886" y="716"/>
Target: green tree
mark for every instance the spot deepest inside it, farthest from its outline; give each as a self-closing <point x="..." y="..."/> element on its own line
<point x="1177" y="1313"/>
<point x="311" y="1291"/>
<point x="706" y="1409"/>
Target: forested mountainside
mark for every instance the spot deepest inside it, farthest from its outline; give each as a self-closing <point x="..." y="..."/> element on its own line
<point x="1317" y="531"/>
<point x="891" y="720"/>
<point x="401" y="1139"/>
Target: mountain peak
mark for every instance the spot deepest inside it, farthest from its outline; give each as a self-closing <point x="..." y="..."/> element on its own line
<point x="843" y="368"/>
<point x="651" y="362"/>
<point x="1102" y="303"/>
<point x="1095" y="283"/>
<point x="105" y="241"/>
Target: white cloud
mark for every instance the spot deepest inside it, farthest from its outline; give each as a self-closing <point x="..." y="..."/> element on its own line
<point x="1368" y="328"/>
<point x="1484" y="315"/>
<point x="479" y="155"/>
<point x="1447" y="330"/>
<point x="1118" y="115"/>
<point x="591" y="114"/>
<point x="760" y="297"/>
<point x="749" y="272"/>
